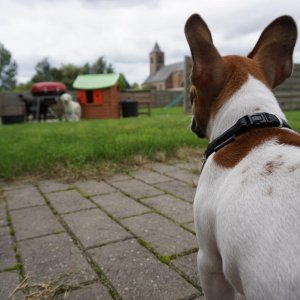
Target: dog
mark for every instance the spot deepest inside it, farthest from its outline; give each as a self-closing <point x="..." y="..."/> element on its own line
<point x="72" y="109"/>
<point x="247" y="203"/>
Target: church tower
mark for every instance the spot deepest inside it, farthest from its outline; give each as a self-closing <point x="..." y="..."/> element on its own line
<point x="157" y="59"/>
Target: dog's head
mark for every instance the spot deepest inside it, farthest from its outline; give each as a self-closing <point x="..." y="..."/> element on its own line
<point x="215" y="78"/>
<point x="66" y="98"/>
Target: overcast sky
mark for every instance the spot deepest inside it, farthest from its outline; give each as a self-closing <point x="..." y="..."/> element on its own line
<point x="124" y="31"/>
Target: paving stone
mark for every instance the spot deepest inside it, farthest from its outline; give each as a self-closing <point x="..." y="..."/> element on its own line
<point x="164" y="168"/>
<point x="14" y="186"/>
<point x="53" y="256"/>
<point x="93" y="227"/>
<point x="172" y="207"/>
<point x="150" y="177"/>
<point x="120" y="205"/>
<point x="93" y="187"/>
<point x="69" y="201"/>
<point x="188" y="265"/>
<point x="191" y="226"/>
<point x="94" y="291"/>
<point x="137" y="189"/>
<point x="7" y="254"/>
<point x="185" y="176"/>
<point x="34" y="221"/>
<point x="191" y="166"/>
<point x="166" y="237"/>
<point x="8" y="282"/>
<point x="24" y="197"/>
<point x="48" y="186"/>
<point x="137" y="274"/>
<point x="179" y="189"/>
<point x="3" y="216"/>
<point x="118" y="177"/>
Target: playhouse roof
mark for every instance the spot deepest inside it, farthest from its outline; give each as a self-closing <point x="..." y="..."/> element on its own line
<point x="95" y="81"/>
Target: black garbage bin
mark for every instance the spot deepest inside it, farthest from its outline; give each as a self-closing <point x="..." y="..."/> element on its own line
<point x="129" y="108"/>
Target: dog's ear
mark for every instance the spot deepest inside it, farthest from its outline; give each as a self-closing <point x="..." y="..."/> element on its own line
<point x="208" y="68"/>
<point x="274" y="49"/>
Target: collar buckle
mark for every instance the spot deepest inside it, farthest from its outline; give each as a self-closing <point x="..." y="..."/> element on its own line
<point x="259" y="120"/>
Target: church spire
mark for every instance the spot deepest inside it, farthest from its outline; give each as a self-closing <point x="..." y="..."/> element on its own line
<point x="156" y="48"/>
<point x="157" y="59"/>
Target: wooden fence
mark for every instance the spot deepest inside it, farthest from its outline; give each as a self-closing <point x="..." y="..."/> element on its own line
<point x="156" y="98"/>
<point x="288" y="93"/>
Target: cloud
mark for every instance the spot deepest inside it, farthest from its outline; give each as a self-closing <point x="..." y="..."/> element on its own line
<point x="124" y="32"/>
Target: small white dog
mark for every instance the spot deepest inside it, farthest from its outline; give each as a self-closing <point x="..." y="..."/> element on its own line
<point x="72" y="109"/>
<point x="247" y="204"/>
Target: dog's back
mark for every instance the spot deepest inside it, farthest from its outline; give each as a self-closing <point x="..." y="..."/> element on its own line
<point x="258" y="224"/>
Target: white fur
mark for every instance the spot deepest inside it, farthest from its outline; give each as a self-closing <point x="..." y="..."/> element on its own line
<point x="247" y="220"/>
<point x="253" y="94"/>
<point x="72" y="110"/>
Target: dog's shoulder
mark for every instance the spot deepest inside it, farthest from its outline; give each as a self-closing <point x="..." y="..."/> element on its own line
<point x="233" y="153"/>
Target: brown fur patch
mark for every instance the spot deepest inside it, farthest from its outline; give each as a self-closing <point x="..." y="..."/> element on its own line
<point x="233" y="153"/>
<point x="237" y="71"/>
<point x="271" y="167"/>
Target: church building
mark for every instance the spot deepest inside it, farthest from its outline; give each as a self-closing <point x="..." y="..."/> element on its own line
<point x="164" y="77"/>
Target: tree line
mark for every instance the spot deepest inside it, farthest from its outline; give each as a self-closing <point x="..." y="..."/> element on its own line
<point x="45" y="72"/>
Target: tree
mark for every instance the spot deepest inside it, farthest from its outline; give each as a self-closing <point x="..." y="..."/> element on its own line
<point x="86" y="69"/>
<point x="8" y="70"/>
<point x="43" y="73"/>
<point x="135" y="86"/>
<point x="69" y="73"/>
<point x="110" y="68"/>
<point x="100" y="67"/>
<point x="123" y="83"/>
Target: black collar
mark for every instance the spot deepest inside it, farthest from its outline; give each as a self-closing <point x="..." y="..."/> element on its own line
<point x="260" y="120"/>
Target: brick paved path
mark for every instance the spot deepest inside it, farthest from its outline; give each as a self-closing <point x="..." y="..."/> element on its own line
<point x="130" y="236"/>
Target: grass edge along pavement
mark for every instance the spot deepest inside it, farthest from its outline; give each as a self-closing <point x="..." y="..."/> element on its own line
<point x="92" y="148"/>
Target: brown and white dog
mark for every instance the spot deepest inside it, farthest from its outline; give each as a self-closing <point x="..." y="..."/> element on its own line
<point x="247" y="204"/>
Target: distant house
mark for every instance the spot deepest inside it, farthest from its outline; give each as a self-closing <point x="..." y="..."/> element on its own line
<point x="162" y="76"/>
<point x="98" y="95"/>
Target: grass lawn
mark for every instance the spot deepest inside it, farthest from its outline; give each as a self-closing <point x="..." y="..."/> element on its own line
<point x="96" y="147"/>
<point x="93" y="146"/>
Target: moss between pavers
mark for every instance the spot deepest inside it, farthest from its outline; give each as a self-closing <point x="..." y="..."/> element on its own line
<point x="114" y="294"/>
<point x="15" y="267"/>
<point x="166" y="259"/>
<point x="84" y="195"/>
<point x="19" y="265"/>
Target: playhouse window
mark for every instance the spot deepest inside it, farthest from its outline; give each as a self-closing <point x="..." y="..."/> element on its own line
<point x="89" y="96"/>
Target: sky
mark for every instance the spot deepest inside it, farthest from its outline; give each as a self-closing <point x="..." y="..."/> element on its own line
<point x="125" y="31"/>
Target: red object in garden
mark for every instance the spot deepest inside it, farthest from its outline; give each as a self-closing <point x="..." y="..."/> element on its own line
<point x="44" y="88"/>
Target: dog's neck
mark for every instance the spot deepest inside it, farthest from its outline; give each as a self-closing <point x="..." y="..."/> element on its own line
<point x="253" y="97"/>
